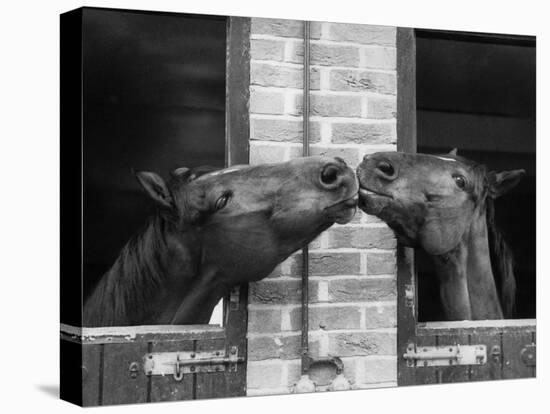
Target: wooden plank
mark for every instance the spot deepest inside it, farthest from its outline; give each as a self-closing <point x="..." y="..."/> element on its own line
<point x="91" y="374"/>
<point x="119" y="387"/>
<point x="513" y="342"/>
<point x="236" y="324"/>
<point x="406" y="89"/>
<point x="492" y="370"/>
<point x="211" y="384"/>
<point x="425" y="375"/>
<point x="456" y="373"/>
<point x="406" y="314"/>
<point x="237" y="124"/>
<point x="489" y="324"/>
<point x="166" y="388"/>
<point x="145" y="333"/>
<point x="406" y="141"/>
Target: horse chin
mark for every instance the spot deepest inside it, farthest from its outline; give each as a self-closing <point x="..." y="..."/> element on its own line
<point x="373" y="203"/>
<point x="343" y="211"/>
<point x="345" y="215"/>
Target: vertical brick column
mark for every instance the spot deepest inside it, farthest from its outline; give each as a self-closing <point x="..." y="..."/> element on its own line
<point x="352" y="267"/>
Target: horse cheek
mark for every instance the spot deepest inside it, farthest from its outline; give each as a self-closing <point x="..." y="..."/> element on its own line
<point x="439" y="237"/>
<point x="243" y="250"/>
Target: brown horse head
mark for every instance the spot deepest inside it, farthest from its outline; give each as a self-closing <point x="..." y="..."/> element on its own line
<point x="437" y="203"/>
<point x="216" y="229"/>
<point x="275" y="208"/>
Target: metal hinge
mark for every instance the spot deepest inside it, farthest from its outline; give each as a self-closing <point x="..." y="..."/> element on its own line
<point x="234" y="297"/>
<point x="529" y="355"/>
<point x="179" y="363"/>
<point x="437" y="356"/>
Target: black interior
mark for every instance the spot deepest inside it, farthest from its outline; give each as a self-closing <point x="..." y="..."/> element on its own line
<point x="478" y="93"/>
<point x="154" y="100"/>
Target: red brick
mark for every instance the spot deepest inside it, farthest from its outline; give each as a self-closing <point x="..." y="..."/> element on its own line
<point x="380" y="57"/>
<point x="277" y="291"/>
<point x="362" y="343"/>
<point x="267" y="74"/>
<point x="328" y="318"/>
<point x="331" y="105"/>
<point x="327" y="55"/>
<point x="267" y="102"/>
<point x="363" y="33"/>
<point x="381" y="263"/>
<point x="381" y="107"/>
<point x="282" y="130"/>
<point x="282" y="347"/>
<point x="352" y="156"/>
<point x="262" y="153"/>
<point x="362" y="237"/>
<point x="316" y="29"/>
<point x="264" y="375"/>
<point x="361" y="290"/>
<point x="264" y="320"/>
<point x="329" y="263"/>
<point x="263" y="49"/>
<point x="363" y="133"/>
<point x="277" y="27"/>
<point x="380" y="317"/>
<point x="361" y="80"/>
<point x="380" y="370"/>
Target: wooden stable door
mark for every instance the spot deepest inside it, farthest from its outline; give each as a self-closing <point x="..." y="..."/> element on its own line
<point x="124" y="365"/>
<point x="147" y="98"/>
<point x="430" y="351"/>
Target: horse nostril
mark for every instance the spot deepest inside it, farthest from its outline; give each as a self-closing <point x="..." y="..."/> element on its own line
<point x="329" y="175"/>
<point x="386" y="168"/>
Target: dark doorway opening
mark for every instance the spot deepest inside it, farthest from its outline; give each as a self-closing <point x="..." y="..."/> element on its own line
<point x="154" y="95"/>
<point x="477" y="93"/>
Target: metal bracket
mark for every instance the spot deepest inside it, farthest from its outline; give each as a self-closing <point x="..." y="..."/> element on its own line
<point x="179" y="363"/>
<point x="529" y="355"/>
<point x="437" y="356"/>
<point x="234" y="297"/>
<point x="409" y="296"/>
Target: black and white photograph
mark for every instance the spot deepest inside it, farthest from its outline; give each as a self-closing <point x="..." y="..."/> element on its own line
<point x="286" y="206"/>
<point x="277" y="206"/>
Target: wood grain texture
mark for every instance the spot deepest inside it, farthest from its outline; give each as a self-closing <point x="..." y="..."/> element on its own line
<point x="166" y="388"/>
<point x="91" y="374"/>
<point x="119" y="387"/>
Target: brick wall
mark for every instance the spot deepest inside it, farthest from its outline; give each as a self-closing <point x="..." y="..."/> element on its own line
<point x="352" y="267"/>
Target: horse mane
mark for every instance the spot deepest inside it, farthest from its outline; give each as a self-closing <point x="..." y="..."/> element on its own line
<point x="123" y="293"/>
<point x="502" y="263"/>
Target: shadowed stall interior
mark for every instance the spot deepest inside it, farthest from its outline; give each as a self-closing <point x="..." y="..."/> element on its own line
<point x="477" y="93"/>
<point x="154" y="100"/>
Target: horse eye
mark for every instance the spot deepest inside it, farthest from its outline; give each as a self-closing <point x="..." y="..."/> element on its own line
<point x="329" y="174"/>
<point x="222" y="201"/>
<point x="460" y="181"/>
<point x="386" y="168"/>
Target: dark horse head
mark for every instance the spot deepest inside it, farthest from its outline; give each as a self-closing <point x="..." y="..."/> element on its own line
<point x="444" y="205"/>
<point x="216" y="229"/>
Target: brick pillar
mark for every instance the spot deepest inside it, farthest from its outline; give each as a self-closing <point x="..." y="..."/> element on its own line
<point x="352" y="267"/>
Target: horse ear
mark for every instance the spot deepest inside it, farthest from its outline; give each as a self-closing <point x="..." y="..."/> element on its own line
<point x="502" y="182"/>
<point x="453" y="152"/>
<point x="181" y="173"/>
<point x="155" y="187"/>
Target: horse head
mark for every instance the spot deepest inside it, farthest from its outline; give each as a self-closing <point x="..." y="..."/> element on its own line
<point x="430" y="201"/>
<point x="236" y="224"/>
<point x="444" y="205"/>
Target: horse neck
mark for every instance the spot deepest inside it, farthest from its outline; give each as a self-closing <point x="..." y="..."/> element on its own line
<point x="467" y="284"/>
<point x="125" y="293"/>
